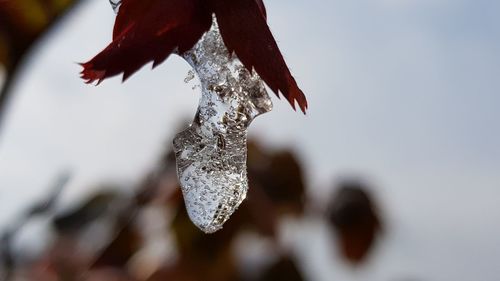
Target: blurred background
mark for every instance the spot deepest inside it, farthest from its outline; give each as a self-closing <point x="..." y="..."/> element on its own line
<point x="393" y="174"/>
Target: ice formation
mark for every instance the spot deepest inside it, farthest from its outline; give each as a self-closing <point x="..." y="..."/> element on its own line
<point x="212" y="152"/>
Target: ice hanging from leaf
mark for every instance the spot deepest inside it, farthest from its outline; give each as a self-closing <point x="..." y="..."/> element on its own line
<point x="211" y="153"/>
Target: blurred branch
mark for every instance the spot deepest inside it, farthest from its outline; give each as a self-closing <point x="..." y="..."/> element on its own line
<point x="43" y="206"/>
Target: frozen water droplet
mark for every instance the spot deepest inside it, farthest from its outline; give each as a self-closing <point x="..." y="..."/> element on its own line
<point x="115" y="4"/>
<point x="211" y="153"/>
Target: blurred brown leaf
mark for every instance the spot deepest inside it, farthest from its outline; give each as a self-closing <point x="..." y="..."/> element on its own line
<point x="284" y="269"/>
<point x="108" y="274"/>
<point x="280" y="177"/>
<point x="353" y="215"/>
<point x="126" y="243"/>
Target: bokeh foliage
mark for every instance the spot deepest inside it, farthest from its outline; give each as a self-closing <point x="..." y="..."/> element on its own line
<point x="277" y="191"/>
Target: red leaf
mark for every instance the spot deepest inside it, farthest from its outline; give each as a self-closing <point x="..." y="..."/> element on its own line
<point x="148" y="30"/>
<point x="262" y="8"/>
<point x="244" y="29"/>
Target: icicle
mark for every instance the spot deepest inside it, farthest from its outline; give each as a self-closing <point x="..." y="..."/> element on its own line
<point x="211" y="153"/>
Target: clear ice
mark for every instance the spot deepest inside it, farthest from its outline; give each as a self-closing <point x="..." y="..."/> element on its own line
<point x="211" y="153"/>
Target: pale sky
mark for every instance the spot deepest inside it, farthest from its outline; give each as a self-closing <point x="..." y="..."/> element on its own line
<point x="403" y="93"/>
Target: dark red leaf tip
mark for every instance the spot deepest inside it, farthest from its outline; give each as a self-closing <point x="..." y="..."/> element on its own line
<point x="91" y="75"/>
